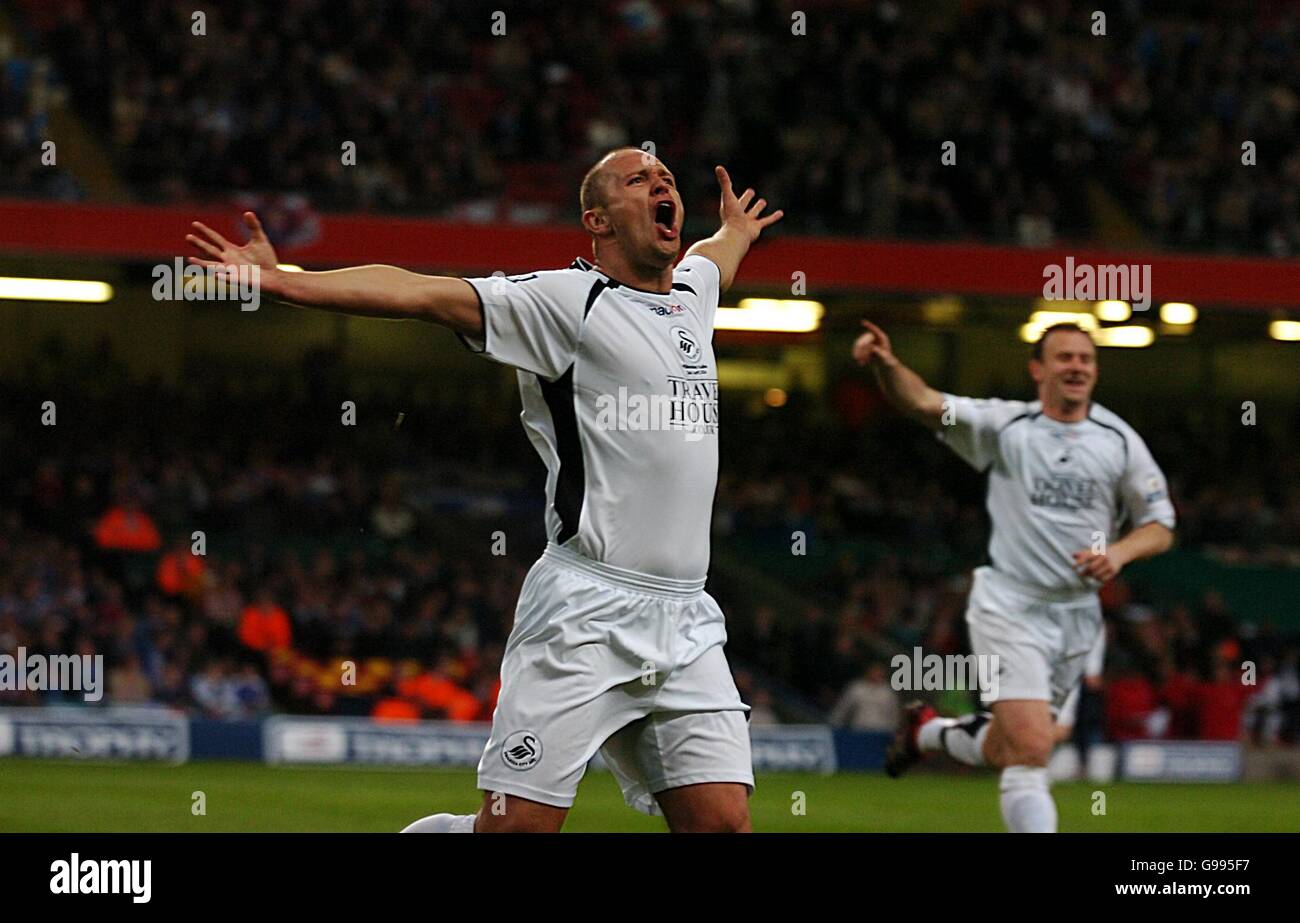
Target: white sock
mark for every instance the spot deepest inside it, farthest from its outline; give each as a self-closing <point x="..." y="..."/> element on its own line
<point x="961" y="738"/>
<point x="1027" y="805"/>
<point x="929" y="738"/>
<point x="443" y="823"/>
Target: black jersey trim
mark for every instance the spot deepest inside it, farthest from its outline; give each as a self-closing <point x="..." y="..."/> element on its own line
<point x="1125" y="515"/>
<point x="1030" y="415"/>
<point x="1114" y="429"/>
<point x="599" y="286"/>
<point x="571" y="480"/>
<point x="683" y="287"/>
<point x="610" y="281"/>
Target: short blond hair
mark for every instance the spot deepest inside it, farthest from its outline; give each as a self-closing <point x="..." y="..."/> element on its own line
<point x="594" y="191"/>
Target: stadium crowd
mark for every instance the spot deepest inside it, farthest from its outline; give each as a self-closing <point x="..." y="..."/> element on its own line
<point x="338" y="576"/>
<point x="456" y="119"/>
<point x="27" y="93"/>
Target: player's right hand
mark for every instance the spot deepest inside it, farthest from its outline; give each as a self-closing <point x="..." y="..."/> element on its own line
<point x="872" y="345"/>
<point x="745" y="212"/>
<point x="257" y="252"/>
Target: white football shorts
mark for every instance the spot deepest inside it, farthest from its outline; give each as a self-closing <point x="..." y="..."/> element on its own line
<point x="1093" y="666"/>
<point x="602" y="658"/>
<point x="1041" y="638"/>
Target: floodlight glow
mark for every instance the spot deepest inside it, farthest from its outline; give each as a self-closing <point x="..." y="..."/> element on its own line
<point x="77" y="290"/>
<point x="772" y="315"/>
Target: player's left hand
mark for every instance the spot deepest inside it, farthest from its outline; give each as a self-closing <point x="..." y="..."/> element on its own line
<point x="223" y="255"/>
<point x="1103" y="567"/>
<point x="743" y="213"/>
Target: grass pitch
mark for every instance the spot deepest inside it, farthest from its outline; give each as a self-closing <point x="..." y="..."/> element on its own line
<point x="60" y="796"/>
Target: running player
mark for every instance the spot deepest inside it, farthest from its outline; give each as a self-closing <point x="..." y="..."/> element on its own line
<point x="1064" y="474"/>
<point x="616" y="647"/>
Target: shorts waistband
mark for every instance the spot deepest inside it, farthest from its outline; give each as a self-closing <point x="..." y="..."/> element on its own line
<point x="632" y="580"/>
<point x="1044" y="594"/>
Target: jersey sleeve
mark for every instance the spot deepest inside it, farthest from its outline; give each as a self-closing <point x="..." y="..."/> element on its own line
<point x="697" y="280"/>
<point x="532" y="322"/>
<point x="1143" y="488"/>
<point x="970" y="426"/>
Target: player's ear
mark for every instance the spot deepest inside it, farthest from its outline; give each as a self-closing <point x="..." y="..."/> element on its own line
<point x="1036" y="371"/>
<point x="595" y="221"/>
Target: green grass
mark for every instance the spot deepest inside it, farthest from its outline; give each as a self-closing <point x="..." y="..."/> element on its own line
<point x="57" y="796"/>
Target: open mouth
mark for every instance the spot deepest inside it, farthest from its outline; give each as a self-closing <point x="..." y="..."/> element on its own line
<point x="666" y="219"/>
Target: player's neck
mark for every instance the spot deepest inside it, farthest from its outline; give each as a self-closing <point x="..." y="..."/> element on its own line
<point x="1066" y="411"/>
<point x="622" y="270"/>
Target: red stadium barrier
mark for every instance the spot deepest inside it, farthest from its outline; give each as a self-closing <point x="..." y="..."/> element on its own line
<point x="131" y="232"/>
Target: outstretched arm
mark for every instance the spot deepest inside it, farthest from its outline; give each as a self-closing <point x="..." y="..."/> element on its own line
<point x="372" y="291"/>
<point x="905" y="389"/>
<point x="741" y="225"/>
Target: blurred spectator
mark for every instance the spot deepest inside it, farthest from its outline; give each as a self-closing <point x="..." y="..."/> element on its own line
<point x="1222" y="704"/>
<point x="1180" y="692"/>
<point x="435" y="691"/>
<point x="128" y="685"/>
<point x="126" y="527"/>
<point x="180" y="572"/>
<point x="1132" y="708"/>
<point x="1278" y="707"/>
<point x="212" y="692"/>
<point x="869" y="703"/>
<point x="392" y="520"/>
<point x="28" y="91"/>
<point x="396" y="709"/>
<point x="264" y="625"/>
<point x="249" y="692"/>
<point x="761" y="713"/>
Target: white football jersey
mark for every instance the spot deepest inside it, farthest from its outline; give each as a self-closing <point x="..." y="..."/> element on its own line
<point x="620" y="399"/>
<point x="1054" y="488"/>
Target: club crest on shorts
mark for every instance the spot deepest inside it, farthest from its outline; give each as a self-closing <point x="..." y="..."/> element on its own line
<point x="522" y="750"/>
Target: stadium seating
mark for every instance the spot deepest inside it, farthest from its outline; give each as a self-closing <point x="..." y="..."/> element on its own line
<point x="1155" y="112"/>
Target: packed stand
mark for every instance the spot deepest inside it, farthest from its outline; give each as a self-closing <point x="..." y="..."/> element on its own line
<point x="29" y="161"/>
<point x="842" y="127"/>
<point x="340" y="576"/>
